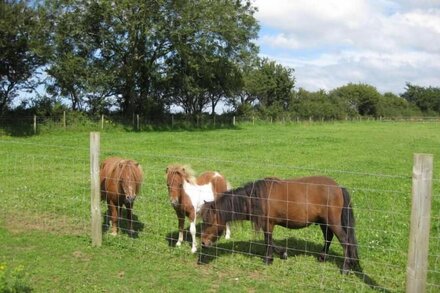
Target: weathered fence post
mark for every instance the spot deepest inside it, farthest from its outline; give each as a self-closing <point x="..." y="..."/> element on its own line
<point x="102" y="121"/>
<point x="417" y="268"/>
<point x="64" y="119"/>
<point x="95" y="189"/>
<point x="35" y="124"/>
<point x="233" y="120"/>
<point x="137" y="119"/>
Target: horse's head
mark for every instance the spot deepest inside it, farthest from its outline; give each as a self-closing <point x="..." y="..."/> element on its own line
<point x="213" y="226"/>
<point x="130" y="179"/>
<point x="176" y="176"/>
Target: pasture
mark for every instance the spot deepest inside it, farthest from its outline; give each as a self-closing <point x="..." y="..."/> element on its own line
<point x="45" y="208"/>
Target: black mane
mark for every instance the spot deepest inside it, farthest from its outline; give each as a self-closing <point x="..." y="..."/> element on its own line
<point x="243" y="203"/>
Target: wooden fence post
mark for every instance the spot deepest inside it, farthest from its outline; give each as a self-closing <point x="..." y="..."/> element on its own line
<point x="35" y="124"/>
<point x="137" y="119"/>
<point x="233" y="120"/>
<point x="417" y="267"/>
<point x="64" y="119"/>
<point x="95" y="189"/>
<point x="102" y="121"/>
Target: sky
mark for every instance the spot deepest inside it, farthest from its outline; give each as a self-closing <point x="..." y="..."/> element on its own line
<point x="330" y="43"/>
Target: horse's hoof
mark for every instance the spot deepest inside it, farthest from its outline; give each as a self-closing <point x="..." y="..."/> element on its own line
<point x="283" y="255"/>
<point x="227" y="237"/>
<point x="178" y="243"/>
<point x="114" y="233"/>
<point x="322" y="257"/>
<point x="345" y="271"/>
<point x="268" y="261"/>
<point x="193" y="250"/>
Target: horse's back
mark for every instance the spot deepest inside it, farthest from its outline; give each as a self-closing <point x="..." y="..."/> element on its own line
<point x="108" y="166"/>
<point x="218" y="181"/>
<point x="110" y="173"/>
<point x="300" y="202"/>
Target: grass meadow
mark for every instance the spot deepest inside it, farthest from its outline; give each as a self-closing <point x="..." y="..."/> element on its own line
<point x="45" y="208"/>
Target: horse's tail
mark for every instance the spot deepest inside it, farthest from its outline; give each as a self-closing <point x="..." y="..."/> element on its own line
<point x="348" y="223"/>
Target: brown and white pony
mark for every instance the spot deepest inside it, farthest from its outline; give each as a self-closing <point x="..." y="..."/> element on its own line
<point x="188" y="193"/>
<point x="121" y="181"/>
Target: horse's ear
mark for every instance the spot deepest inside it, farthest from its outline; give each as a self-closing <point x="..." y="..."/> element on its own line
<point x="166" y="171"/>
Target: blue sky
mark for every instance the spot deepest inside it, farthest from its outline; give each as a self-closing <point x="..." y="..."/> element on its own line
<point x="329" y="43"/>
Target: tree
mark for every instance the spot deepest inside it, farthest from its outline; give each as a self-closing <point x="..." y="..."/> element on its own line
<point x="391" y="105"/>
<point x="149" y="54"/>
<point x="317" y="105"/>
<point x="268" y="83"/>
<point x="359" y="99"/>
<point x="19" y="50"/>
<point x="208" y="43"/>
<point x="426" y="98"/>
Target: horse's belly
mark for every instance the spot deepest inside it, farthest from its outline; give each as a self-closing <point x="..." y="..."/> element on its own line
<point x="293" y="224"/>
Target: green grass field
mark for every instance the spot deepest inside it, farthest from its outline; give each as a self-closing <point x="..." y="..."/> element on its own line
<point x="45" y="208"/>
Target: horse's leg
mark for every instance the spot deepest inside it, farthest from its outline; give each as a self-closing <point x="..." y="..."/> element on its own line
<point x="113" y="210"/>
<point x="192" y="230"/>
<point x="268" y="258"/>
<point x="181" y="223"/>
<point x="228" y="231"/>
<point x="129" y="208"/>
<point x="281" y="251"/>
<point x="342" y="237"/>
<point x="328" y="236"/>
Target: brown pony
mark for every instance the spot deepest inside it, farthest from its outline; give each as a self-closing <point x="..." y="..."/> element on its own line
<point x="294" y="203"/>
<point x="121" y="181"/>
<point x="188" y="193"/>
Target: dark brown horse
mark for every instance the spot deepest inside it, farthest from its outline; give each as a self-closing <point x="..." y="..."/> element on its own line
<point x="121" y="181"/>
<point x="294" y="203"/>
<point x="188" y="193"/>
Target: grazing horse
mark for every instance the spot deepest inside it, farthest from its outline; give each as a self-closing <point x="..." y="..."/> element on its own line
<point x="121" y="181"/>
<point x="188" y="193"/>
<point x="294" y="203"/>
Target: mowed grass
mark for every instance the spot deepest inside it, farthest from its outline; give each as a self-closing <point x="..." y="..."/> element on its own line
<point x="45" y="200"/>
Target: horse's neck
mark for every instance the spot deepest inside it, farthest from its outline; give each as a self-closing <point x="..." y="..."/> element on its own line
<point x="198" y="194"/>
<point x="233" y="207"/>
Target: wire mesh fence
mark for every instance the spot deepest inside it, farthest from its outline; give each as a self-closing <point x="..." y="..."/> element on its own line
<point x="51" y="191"/>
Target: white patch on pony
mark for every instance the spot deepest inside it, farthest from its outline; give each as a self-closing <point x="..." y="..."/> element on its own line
<point x="179" y="242"/>
<point x="192" y="229"/>
<point x="198" y="194"/>
<point x="228" y="231"/>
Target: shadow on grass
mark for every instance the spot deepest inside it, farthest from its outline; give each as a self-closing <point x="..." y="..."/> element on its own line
<point x="257" y="248"/>
<point x="123" y="224"/>
<point x="172" y="237"/>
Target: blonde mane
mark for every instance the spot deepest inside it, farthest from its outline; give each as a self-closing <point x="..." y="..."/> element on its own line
<point x="184" y="170"/>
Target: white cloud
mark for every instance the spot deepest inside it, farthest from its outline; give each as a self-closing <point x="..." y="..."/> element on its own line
<point x="332" y="42"/>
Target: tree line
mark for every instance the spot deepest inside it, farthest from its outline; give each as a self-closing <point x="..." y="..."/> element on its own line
<point x="152" y="56"/>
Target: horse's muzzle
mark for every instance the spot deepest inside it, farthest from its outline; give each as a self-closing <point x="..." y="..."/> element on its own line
<point x="174" y="202"/>
<point x="130" y="199"/>
<point x="206" y="243"/>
